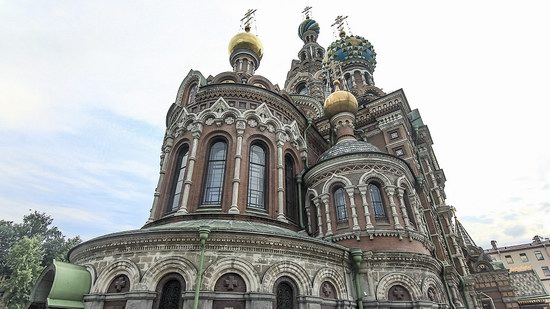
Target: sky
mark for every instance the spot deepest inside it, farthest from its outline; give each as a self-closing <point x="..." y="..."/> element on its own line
<point x="85" y="87"/>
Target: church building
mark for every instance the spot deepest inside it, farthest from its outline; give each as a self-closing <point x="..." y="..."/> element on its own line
<point x="323" y="193"/>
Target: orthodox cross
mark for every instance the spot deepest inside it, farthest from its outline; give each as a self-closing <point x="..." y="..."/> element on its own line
<point x="340" y="25"/>
<point x="248" y="18"/>
<point x="307" y="12"/>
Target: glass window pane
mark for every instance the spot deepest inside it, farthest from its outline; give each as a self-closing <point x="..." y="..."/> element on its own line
<point x="340" y="204"/>
<point x="377" y="204"/>
<point x="177" y="182"/>
<point x="215" y="172"/>
<point x="256" y="177"/>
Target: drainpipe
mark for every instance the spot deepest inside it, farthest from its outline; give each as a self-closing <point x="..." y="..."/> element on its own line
<point x="203" y="236"/>
<point x="357" y="258"/>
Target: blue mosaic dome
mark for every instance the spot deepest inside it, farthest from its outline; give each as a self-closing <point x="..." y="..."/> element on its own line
<point x="351" y="47"/>
<point x="306" y="25"/>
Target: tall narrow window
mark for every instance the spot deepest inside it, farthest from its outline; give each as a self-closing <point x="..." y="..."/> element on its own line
<point x="177" y="180"/>
<point x="257" y="177"/>
<point x="290" y="187"/>
<point x="215" y="172"/>
<point x="377" y="204"/>
<point x="340" y="204"/>
<point x="408" y="208"/>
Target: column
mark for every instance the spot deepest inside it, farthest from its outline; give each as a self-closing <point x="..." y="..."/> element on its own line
<point x="241" y="125"/>
<point x="163" y="162"/>
<point x="280" y="178"/>
<point x="350" y="191"/>
<point x="363" y="191"/>
<point x="403" y="207"/>
<point x="196" y="131"/>
<point x="419" y="218"/>
<point x="324" y="199"/>
<point x="390" y="191"/>
<point x="319" y="218"/>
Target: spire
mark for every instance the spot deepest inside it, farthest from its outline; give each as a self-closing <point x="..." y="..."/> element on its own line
<point x="463" y="235"/>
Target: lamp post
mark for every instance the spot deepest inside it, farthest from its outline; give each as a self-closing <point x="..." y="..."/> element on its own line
<point x="204" y="231"/>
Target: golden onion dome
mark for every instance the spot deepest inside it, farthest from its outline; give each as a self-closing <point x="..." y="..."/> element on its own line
<point x="340" y="101"/>
<point x="246" y="40"/>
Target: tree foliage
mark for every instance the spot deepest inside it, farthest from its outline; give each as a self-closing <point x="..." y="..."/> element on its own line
<point x="23" y="259"/>
<point x="25" y="249"/>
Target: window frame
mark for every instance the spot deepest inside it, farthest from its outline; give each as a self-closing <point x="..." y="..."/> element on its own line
<point x="208" y="202"/>
<point x="264" y="192"/>
<point x="381" y="205"/>
<point x="545" y="270"/>
<point x="539" y="256"/>
<point x="509" y="259"/>
<point x="340" y="209"/>
<point x="178" y="179"/>
<point x="523" y="257"/>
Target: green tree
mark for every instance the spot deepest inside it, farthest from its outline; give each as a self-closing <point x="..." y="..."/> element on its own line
<point x="36" y="226"/>
<point x="23" y="259"/>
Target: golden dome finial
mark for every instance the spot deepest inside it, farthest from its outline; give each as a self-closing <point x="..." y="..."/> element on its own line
<point x="246" y="40"/>
<point x="340" y="101"/>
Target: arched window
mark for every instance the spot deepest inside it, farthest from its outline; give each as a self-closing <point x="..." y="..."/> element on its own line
<point x="291" y="190"/>
<point x="177" y="180"/>
<point x="257" y="177"/>
<point x="408" y="207"/>
<point x="377" y="203"/>
<point x="169" y="290"/>
<point x="215" y="172"/>
<point x="302" y="89"/>
<point x="340" y="205"/>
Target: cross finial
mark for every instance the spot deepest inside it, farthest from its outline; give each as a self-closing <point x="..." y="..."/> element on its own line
<point x="248" y="19"/>
<point x="307" y="12"/>
<point x="341" y="25"/>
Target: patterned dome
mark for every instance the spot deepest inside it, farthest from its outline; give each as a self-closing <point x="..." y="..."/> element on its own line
<point x="306" y="25"/>
<point x="351" y="47"/>
<point x="348" y="147"/>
